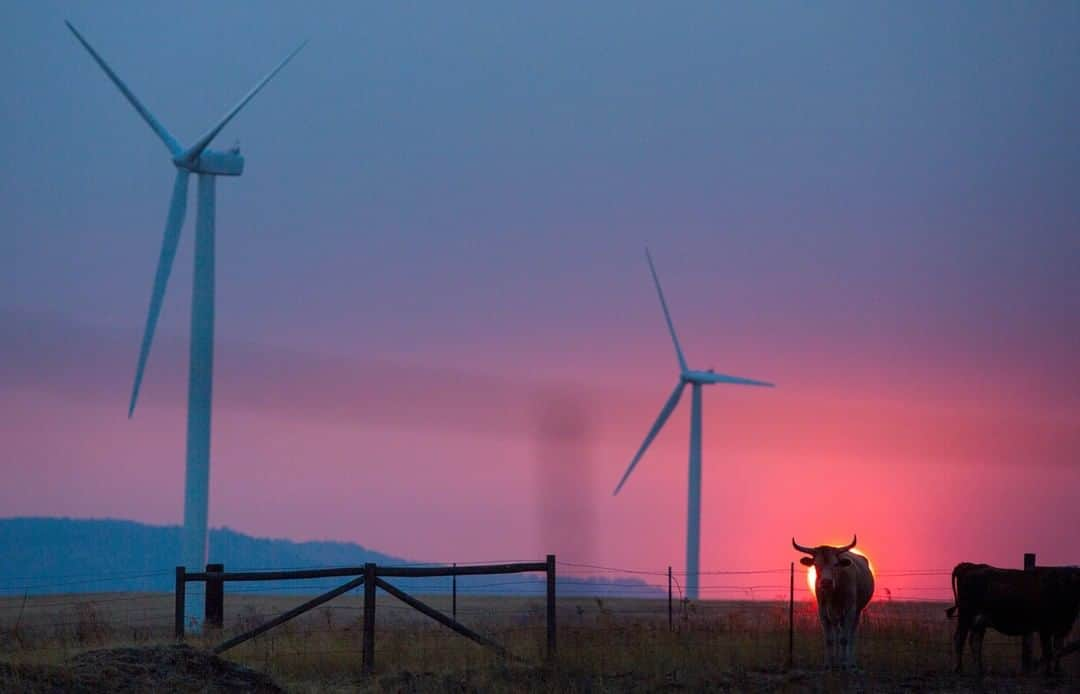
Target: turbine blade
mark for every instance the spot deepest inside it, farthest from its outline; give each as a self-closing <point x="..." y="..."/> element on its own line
<point x="203" y="142"/>
<point x="173" y="223"/>
<point x="710" y="377"/>
<point x="667" y="315"/>
<point x="668" y="408"/>
<point x="155" y="125"/>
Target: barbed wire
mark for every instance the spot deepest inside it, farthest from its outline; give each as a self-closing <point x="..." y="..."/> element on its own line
<point x="731" y="572"/>
<point x="29" y="577"/>
<point x="581" y="587"/>
<point x="83" y="581"/>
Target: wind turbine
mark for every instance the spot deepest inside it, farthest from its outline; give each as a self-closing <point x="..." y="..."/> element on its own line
<point x="208" y="164"/>
<point x="697" y="379"/>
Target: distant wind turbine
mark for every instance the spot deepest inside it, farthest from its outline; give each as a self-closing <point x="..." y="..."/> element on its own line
<point x="697" y="379"/>
<point x="208" y="164"/>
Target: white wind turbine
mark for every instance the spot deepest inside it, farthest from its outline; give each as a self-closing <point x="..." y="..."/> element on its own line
<point x="208" y="164"/>
<point x="697" y="379"/>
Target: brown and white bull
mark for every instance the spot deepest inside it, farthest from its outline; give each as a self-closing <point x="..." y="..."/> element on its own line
<point x="843" y="587"/>
<point x="1014" y="602"/>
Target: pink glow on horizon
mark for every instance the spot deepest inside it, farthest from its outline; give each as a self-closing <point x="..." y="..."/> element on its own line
<point x="926" y="483"/>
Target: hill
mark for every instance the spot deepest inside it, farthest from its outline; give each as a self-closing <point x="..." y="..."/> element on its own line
<point x="67" y="555"/>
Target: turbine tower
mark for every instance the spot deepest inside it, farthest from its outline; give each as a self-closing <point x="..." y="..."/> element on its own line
<point x="697" y="379"/>
<point x="208" y="164"/>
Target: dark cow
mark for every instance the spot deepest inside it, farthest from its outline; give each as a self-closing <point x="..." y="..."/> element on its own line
<point x="1014" y="602"/>
<point x="843" y="587"/>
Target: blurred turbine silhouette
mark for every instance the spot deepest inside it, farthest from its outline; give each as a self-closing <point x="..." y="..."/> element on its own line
<point x="564" y="475"/>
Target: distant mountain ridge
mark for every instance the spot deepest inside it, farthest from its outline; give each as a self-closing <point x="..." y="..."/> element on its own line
<point x="67" y="555"/>
<point x="61" y="555"/>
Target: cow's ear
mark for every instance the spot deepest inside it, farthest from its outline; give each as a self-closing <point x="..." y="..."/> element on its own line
<point x="807" y="561"/>
<point x="844" y="561"/>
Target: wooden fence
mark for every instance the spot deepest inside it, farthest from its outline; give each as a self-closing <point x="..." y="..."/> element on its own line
<point x="371" y="577"/>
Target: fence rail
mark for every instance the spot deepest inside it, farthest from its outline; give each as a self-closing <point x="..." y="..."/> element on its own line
<point x="370" y="576"/>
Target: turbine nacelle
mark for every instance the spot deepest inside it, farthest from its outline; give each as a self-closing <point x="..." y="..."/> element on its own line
<point x="197" y="158"/>
<point x="213" y="162"/>
<point x="687" y="376"/>
<point x="695" y="376"/>
<point x="710" y="377"/>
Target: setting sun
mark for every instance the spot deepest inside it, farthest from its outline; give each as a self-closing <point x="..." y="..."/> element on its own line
<point x="811" y="573"/>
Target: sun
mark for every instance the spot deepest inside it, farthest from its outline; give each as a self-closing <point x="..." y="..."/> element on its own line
<point x="811" y="573"/>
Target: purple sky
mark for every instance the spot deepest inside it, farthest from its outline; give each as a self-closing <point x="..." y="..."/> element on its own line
<point x="440" y="232"/>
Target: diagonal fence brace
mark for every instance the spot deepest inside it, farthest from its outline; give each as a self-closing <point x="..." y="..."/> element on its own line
<point x="294" y="612"/>
<point x="441" y="618"/>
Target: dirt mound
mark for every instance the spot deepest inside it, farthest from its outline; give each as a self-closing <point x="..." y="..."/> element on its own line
<point x="157" y="668"/>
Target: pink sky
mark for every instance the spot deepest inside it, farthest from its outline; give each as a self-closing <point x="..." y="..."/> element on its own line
<point x="422" y="465"/>
<point x="439" y="232"/>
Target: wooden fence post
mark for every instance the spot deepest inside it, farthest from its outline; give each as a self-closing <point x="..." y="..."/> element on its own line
<point x="215" y="598"/>
<point x="791" y="620"/>
<point x="670" y="614"/>
<point x="368" y="658"/>
<point x="551" y="607"/>
<point x="1025" y="646"/>
<point x="178" y="615"/>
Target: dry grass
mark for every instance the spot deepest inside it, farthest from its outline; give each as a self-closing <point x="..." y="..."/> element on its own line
<point x="604" y="645"/>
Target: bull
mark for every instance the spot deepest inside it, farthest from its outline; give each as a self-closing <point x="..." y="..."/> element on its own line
<point x="1045" y="600"/>
<point x="843" y="587"/>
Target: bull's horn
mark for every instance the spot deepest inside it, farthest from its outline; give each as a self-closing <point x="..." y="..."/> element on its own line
<point x="804" y="550"/>
<point x="851" y="546"/>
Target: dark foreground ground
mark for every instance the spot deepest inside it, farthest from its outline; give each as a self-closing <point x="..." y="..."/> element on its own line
<point x="122" y="643"/>
<point x="186" y="669"/>
<point x="142" y="669"/>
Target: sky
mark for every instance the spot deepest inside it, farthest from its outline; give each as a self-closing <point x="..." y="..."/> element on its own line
<point x="437" y="334"/>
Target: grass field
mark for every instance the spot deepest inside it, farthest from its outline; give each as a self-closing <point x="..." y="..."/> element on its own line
<point x="603" y="645"/>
